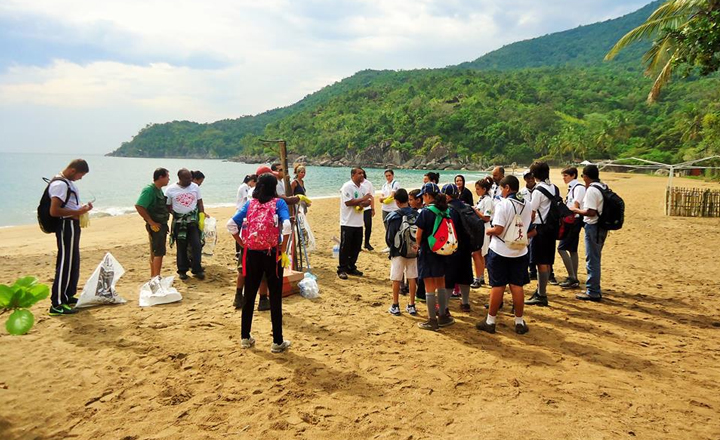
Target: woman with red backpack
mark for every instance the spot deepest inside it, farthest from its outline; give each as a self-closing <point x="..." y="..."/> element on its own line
<point x="261" y="227"/>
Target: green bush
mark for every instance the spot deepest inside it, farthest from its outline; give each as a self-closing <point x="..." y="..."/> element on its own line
<point x="19" y="297"/>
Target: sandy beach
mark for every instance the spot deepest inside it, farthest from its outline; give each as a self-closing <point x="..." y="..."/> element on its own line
<point x="644" y="363"/>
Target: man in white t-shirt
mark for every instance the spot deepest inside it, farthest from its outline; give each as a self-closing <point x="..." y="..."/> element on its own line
<point x="506" y="265"/>
<point x="368" y="211"/>
<point x="353" y="200"/>
<point x="66" y="208"/>
<point x="568" y="246"/>
<point x="496" y="191"/>
<point x="592" y="208"/>
<point x="543" y="244"/>
<point x="185" y="204"/>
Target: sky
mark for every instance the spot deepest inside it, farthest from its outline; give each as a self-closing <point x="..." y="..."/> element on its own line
<point x="83" y="76"/>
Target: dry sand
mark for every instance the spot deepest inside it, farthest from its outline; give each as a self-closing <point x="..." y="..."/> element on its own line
<point x="644" y="363"/>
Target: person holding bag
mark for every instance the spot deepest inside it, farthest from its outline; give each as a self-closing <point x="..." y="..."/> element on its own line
<point x="262" y="227"/>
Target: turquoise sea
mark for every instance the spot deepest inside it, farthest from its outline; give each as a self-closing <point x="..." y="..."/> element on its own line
<point x="115" y="182"/>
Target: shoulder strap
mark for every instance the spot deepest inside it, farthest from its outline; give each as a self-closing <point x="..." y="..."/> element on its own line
<point x="546" y="193"/>
<point x="437" y="212"/>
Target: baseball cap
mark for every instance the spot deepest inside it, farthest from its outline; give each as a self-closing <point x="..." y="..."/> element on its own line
<point x="429" y="188"/>
<point x="264" y="169"/>
<point x="526" y="172"/>
<point x="450" y="189"/>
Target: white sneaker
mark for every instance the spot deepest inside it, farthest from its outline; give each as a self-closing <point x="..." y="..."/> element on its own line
<point x="386" y="250"/>
<point x="247" y="343"/>
<point x="279" y="348"/>
<point x="394" y="310"/>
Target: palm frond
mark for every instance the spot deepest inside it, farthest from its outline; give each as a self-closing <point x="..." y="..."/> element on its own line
<point x="659" y="53"/>
<point x="661" y="81"/>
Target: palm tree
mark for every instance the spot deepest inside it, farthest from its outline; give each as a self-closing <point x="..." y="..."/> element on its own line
<point x="673" y="15"/>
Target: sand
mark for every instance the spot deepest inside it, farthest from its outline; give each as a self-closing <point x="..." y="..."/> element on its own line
<point x="644" y="363"/>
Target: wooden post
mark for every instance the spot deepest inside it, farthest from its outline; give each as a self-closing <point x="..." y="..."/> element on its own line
<point x="288" y="193"/>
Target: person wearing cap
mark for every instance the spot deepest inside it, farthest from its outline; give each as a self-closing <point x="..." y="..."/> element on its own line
<point x="459" y="271"/>
<point x="432" y="266"/>
<point x="353" y="200"/>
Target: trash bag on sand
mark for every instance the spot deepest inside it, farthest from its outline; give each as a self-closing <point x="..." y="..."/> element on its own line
<point x="158" y="291"/>
<point x="100" y="287"/>
<point x="309" y="287"/>
<point x="210" y="234"/>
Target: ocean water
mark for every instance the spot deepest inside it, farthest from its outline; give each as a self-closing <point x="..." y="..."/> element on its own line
<point x="115" y="182"/>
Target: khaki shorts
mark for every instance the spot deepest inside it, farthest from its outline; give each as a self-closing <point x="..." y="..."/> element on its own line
<point x="400" y="266"/>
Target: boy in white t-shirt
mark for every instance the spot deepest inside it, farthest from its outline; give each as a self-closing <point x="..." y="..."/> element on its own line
<point x="507" y="266"/>
<point x="568" y="246"/>
<point x="592" y="208"/>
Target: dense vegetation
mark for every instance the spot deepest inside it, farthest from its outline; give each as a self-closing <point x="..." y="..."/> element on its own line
<point x="568" y="110"/>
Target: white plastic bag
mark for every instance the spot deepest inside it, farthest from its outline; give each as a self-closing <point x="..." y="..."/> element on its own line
<point x="158" y="291"/>
<point x="309" y="287"/>
<point x="100" y="287"/>
<point x="305" y="227"/>
<point x="211" y="238"/>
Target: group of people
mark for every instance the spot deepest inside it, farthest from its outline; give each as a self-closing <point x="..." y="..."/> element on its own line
<point x="519" y="230"/>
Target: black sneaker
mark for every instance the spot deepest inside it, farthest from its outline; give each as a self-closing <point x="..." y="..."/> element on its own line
<point x="465" y="308"/>
<point x="199" y="275"/>
<point x="430" y="324"/>
<point x="239" y="301"/>
<point x="62" y="309"/>
<point x="537" y="300"/>
<point x="570" y="284"/>
<point x="456" y="295"/>
<point x="355" y="272"/>
<point x="183" y="275"/>
<point x="475" y="284"/>
<point x="487" y="306"/>
<point x="342" y="275"/>
<point x="263" y="304"/>
<point x="369" y="248"/>
<point x="444" y="321"/>
<point x="521" y="329"/>
<point x="585" y="297"/>
<point x="483" y="326"/>
<point x="552" y="280"/>
<point x="72" y="301"/>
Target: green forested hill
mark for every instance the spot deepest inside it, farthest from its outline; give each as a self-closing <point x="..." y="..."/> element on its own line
<point x="499" y="108"/>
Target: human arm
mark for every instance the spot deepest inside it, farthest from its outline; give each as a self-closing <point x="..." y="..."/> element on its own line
<point x="155" y="226"/>
<point x="56" y="209"/>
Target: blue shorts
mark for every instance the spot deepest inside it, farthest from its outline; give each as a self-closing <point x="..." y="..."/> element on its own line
<point x="505" y="270"/>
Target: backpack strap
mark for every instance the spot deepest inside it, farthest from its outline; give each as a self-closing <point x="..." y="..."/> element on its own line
<point x="547" y="194"/>
<point x="69" y="190"/>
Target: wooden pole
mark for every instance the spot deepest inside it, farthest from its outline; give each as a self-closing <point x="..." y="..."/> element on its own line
<point x="288" y="193"/>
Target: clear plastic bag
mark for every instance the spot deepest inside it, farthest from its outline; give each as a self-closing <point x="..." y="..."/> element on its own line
<point x="309" y="287"/>
<point x="210" y="234"/>
<point x="100" y="287"/>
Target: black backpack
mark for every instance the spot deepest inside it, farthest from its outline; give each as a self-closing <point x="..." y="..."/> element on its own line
<point x="49" y="224"/>
<point x="613" y="215"/>
<point x="555" y="222"/>
<point x="474" y="226"/>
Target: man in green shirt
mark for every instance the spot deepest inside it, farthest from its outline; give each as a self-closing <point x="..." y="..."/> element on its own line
<point x="152" y="207"/>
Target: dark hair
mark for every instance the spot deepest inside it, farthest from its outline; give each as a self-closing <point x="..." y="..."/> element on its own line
<point x="440" y="201"/>
<point x="79" y="165"/>
<point x="486" y="183"/>
<point x="512" y="182"/>
<point x="250" y="178"/>
<point x="461" y="178"/>
<point x="433" y="177"/>
<point x="274" y="167"/>
<point x="592" y="172"/>
<point x="540" y="170"/>
<point x="266" y="188"/>
<point x="197" y="174"/>
<point x="501" y="169"/>
<point x="356" y="170"/>
<point x="401" y="195"/>
<point x="389" y="171"/>
<point x="159" y="172"/>
<point x="414" y="193"/>
<point x="570" y="171"/>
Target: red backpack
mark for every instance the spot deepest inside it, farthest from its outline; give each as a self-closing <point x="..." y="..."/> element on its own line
<point x="443" y="239"/>
<point x="261" y="228"/>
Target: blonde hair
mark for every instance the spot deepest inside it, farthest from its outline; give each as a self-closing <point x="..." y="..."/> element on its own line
<point x="299" y="168"/>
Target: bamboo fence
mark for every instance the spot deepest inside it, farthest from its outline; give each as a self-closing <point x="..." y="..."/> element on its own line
<point x="692" y="202"/>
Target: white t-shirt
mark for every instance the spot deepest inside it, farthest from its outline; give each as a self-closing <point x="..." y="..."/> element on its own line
<point x="349" y="216"/>
<point x="504" y="215"/>
<point x="526" y="194"/>
<point x="243" y="194"/>
<point x="540" y="203"/>
<point x="387" y="189"/>
<point x="59" y="189"/>
<point x="593" y="200"/>
<point x="576" y="192"/>
<point x="280" y="188"/>
<point x="496" y="193"/>
<point x="183" y="200"/>
<point x="486" y="206"/>
<point x="368" y="188"/>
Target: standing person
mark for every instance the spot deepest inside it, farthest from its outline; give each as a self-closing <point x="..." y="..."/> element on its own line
<point x="368" y="211"/>
<point x="498" y="173"/>
<point x="484" y="209"/>
<point x="568" y="246"/>
<point x="465" y="194"/>
<point x="387" y="197"/>
<point x="353" y="200"/>
<point x="65" y="205"/>
<point x="185" y="203"/>
<point x="416" y="203"/>
<point x="262" y="226"/>
<point x="298" y="186"/>
<point x="245" y="190"/>
<point x="152" y="207"/>
<point x="244" y="194"/>
<point x="506" y="265"/>
<point x="431" y="177"/>
<point x="543" y="244"/>
<point x="401" y="266"/>
<point x="278" y="171"/>
<point x="197" y="177"/>
<point x="592" y="208"/>
<point x="432" y="266"/>
<point x="459" y="272"/>
<point x="525" y="194"/>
